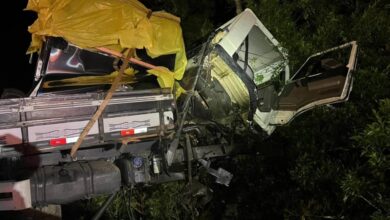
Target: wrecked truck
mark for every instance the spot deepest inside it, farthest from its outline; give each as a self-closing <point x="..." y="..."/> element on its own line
<point x="117" y="103"/>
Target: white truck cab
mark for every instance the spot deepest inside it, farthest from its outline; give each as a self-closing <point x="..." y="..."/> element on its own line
<point x="251" y="67"/>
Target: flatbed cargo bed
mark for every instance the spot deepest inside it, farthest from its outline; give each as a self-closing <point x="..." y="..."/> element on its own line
<point x="51" y="123"/>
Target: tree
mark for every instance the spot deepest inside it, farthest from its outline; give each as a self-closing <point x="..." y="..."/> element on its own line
<point x="369" y="180"/>
<point x="238" y="6"/>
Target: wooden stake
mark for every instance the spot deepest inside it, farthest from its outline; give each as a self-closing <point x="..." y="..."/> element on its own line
<point x="101" y="108"/>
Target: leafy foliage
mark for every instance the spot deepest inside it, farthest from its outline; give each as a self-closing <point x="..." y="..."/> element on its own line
<point x="370" y="178"/>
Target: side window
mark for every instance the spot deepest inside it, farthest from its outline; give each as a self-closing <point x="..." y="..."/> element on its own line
<point x="324" y="64"/>
<point x="311" y="67"/>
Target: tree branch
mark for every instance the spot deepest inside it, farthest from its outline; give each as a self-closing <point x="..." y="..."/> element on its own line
<point x="238" y="6"/>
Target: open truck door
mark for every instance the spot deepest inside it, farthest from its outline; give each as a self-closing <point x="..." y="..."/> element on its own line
<point x="325" y="78"/>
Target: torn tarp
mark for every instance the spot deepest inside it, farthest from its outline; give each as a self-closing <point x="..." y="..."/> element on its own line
<point x="113" y="24"/>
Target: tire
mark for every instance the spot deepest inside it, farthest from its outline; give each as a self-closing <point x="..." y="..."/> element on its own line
<point x="10" y="93"/>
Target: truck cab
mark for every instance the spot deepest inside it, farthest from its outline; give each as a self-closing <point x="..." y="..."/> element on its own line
<point x="250" y="69"/>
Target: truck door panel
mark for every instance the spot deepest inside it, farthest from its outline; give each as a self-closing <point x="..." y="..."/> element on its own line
<point x="325" y="78"/>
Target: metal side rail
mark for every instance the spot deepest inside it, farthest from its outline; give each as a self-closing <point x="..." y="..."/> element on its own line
<point x="50" y="123"/>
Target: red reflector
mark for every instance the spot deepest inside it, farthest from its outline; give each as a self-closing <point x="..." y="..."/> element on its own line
<point x="127" y="132"/>
<point x="58" y="141"/>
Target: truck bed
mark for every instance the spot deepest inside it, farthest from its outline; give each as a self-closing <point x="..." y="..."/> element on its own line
<point x="51" y="123"/>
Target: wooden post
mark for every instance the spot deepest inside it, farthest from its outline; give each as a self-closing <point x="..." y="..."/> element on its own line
<point x="238" y="6"/>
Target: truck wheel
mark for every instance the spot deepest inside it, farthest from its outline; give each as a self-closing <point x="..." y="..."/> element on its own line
<point x="10" y="93"/>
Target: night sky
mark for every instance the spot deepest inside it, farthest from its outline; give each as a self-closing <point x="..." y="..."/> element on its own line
<point x="16" y="71"/>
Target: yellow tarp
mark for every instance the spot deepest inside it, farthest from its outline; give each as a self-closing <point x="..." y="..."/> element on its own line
<point x="114" y="24"/>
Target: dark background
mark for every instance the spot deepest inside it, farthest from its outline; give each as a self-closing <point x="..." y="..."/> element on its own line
<point x="16" y="70"/>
